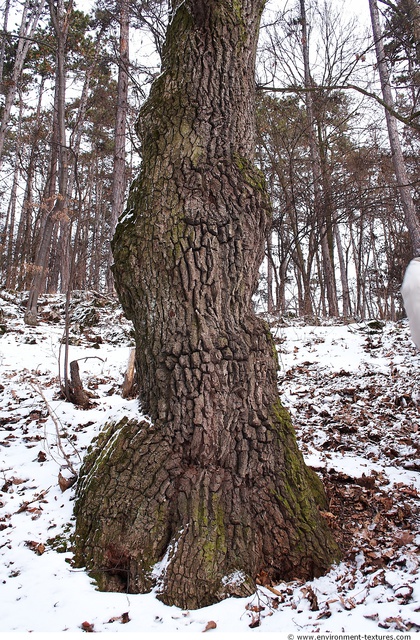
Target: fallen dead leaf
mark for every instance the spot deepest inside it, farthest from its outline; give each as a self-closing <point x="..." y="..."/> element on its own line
<point x="405" y="538"/>
<point x="23" y="507"/>
<point x="310" y="595"/>
<point x="18" y="480"/>
<point x="66" y="483"/>
<point x="398" y="623"/>
<point x="404" y="592"/>
<point x="210" y="625"/>
<point x="326" y="613"/>
<point x="254" y="608"/>
<point x="124" y="618"/>
<point x="256" y="622"/>
<point x="37" y="547"/>
<point x="347" y="604"/>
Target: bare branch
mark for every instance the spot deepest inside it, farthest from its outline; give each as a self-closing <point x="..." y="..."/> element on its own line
<point x="409" y="122"/>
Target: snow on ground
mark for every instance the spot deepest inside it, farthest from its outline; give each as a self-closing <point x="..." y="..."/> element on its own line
<point x="353" y="391"/>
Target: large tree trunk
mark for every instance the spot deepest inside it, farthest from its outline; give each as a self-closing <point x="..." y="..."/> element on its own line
<point x="215" y="485"/>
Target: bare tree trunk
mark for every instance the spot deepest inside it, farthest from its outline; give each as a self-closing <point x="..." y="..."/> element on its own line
<point x="77" y="393"/>
<point x="60" y="17"/>
<point x="3" y="40"/>
<point x="26" y="232"/>
<point x="303" y="267"/>
<point x="94" y="266"/>
<point x="65" y="239"/>
<point x="8" y="239"/>
<point x="129" y="383"/>
<point x="343" y="274"/>
<point x="119" y="175"/>
<point x="328" y="266"/>
<point x="215" y="485"/>
<point x="270" y="269"/>
<point x="411" y="218"/>
<point x="27" y="29"/>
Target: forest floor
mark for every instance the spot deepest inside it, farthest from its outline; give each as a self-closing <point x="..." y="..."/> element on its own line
<point x="354" y="394"/>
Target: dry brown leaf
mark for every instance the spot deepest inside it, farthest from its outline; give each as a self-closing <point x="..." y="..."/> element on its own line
<point x="371" y="616"/>
<point x="326" y="613"/>
<point x="275" y="591"/>
<point x="310" y="595"/>
<point x="377" y="578"/>
<point x="254" y="608"/>
<point x="37" y="547"/>
<point x="36" y="512"/>
<point x="23" y="507"/>
<point x="408" y="491"/>
<point x="210" y="625"/>
<point x="124" y="618"/>
<point x="66" y="483"/>
<point x="347" y="604"/>
<point x="86" y="626"/>
<point x="404" y="592"/>
<point x="404" y="538"/>
<point x="397" y="621"/>
<point x="256" y="622"/>
<point x="263" y="579"/>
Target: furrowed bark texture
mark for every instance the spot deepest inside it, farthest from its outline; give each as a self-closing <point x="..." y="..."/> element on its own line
<point x="214" y="486"/>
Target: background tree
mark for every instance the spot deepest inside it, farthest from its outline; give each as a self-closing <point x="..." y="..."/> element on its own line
<point x="119" y="181"/>
<point x="410" y="213"/>
<point x="345" y="131"/>
<point x="214" y="486"/>
<point x="319" y="136"/>
<point x="30" y="17"/>
<point x="56" y="197"/>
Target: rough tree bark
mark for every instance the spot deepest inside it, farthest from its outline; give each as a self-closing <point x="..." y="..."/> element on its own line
<point x="213" y="491"/>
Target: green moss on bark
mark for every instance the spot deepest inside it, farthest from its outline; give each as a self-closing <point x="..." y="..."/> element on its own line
<point x="250" y="173"/>
<point x="216" y="484"/>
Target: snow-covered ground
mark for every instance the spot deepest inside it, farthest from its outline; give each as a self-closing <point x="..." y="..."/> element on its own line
<point x="353" y="391"/>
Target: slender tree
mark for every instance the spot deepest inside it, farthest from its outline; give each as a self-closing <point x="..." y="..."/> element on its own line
<point x="321" y="209"/>
<point x="56" y="201"/>
<point x="3" y="40"/>
<point x="120" y="172"/>
<point x="30" y="17"/>
<point x="411" y="218"/>
<point x="212" y="493"/>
